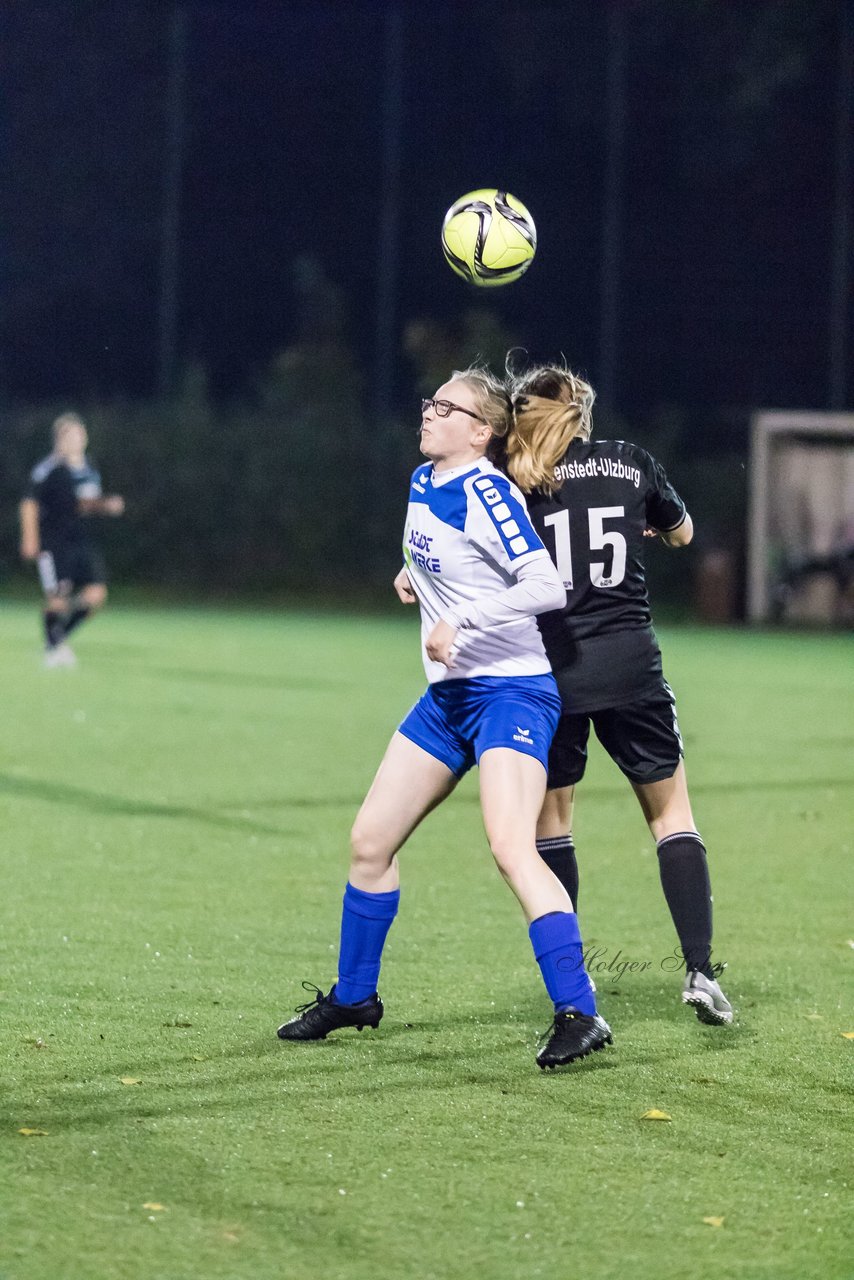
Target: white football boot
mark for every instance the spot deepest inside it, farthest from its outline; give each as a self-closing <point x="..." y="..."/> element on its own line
<point x="707" y="1000"/>
<point x="61" y="655"/>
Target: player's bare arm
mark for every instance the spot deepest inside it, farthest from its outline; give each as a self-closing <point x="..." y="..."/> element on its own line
<point x="29" y="517"/>
<point x="678" y="537"/>
<point x="440" y="643"/>
<point x="110" y="505"/>
<point x="403" y="587"/>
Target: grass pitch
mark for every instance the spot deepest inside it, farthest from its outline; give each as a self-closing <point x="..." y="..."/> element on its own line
<point x="175" y="819"/>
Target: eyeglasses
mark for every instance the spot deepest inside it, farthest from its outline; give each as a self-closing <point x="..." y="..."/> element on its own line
<point x="445" y="407"/>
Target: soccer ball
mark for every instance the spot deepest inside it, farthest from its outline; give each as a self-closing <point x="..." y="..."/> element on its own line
<point x="489" y="238"/>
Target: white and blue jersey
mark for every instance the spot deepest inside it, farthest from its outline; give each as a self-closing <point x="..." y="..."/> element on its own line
<point x="467" y="544"/>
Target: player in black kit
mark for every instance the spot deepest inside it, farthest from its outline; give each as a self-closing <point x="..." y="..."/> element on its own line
<point x="593" y="503"/>
<point x="64" y="491"/>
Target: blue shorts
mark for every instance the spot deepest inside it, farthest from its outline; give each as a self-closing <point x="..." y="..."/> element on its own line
<point x="457" y="720"/>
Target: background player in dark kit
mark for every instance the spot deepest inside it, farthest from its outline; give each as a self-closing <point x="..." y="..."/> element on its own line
<point x="64" y="491"/>
<point x="593" y="503"/>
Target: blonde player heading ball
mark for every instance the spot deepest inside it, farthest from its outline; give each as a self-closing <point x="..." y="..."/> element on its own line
<point x="480" y="575"/>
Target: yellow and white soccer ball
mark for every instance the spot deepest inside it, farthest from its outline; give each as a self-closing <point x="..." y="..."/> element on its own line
<point x="489" y="237"/>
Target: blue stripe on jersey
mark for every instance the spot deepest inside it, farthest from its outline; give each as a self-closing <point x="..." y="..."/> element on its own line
<point x="508" y="515"/>
<point x="447" y="502"/>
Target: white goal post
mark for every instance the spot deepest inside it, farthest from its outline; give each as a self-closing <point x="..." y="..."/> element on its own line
<point x="801" y="516"/>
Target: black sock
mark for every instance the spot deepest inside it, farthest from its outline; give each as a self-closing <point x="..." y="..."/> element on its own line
<point x="78" y="614"/>
<point x="685" y="881"/>
<point x="54" y="628"/>
<point x="558" y="853"/>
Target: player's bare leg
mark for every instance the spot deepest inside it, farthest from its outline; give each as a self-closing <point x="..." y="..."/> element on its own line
<point x="408" y="784"/>
<point x="666" y="805"/>
<point x="93" y="596"/>
<point x="556" y="813"/>
<point x="512" y="788"/>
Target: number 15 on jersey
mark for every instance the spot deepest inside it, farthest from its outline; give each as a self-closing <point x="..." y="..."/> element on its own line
<point x="599" y="539"/>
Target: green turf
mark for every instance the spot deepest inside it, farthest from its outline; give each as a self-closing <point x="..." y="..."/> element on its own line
<point x="175" y="819"/>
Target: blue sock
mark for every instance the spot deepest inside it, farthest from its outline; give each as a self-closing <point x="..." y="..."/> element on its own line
<point x="558" y="949"/>
<point x="365" y="923"/>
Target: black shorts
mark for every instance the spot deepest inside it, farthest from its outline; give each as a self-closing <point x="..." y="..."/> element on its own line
<point x="64" y="570"/>
<point x="642" y="739"/>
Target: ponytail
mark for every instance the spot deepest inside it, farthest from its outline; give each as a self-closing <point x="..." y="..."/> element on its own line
<point x="551" y="408"/>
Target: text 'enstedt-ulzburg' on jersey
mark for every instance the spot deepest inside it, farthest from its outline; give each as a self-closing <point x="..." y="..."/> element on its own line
<point x="598" y="467"/>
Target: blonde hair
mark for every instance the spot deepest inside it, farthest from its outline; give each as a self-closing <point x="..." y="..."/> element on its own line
<point x="66" y="420"/>
<point x="552" y="406"/>
<point x="493" y="399"/>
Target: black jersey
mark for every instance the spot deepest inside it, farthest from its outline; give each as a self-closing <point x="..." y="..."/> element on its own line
<point x="602" y="640"/>
<point x="58" y="488"/>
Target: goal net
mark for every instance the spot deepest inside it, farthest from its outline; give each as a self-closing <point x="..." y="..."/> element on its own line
<point x="801" y="521"/>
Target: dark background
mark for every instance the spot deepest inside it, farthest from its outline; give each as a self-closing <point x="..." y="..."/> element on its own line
<point x="220" y="239"/>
